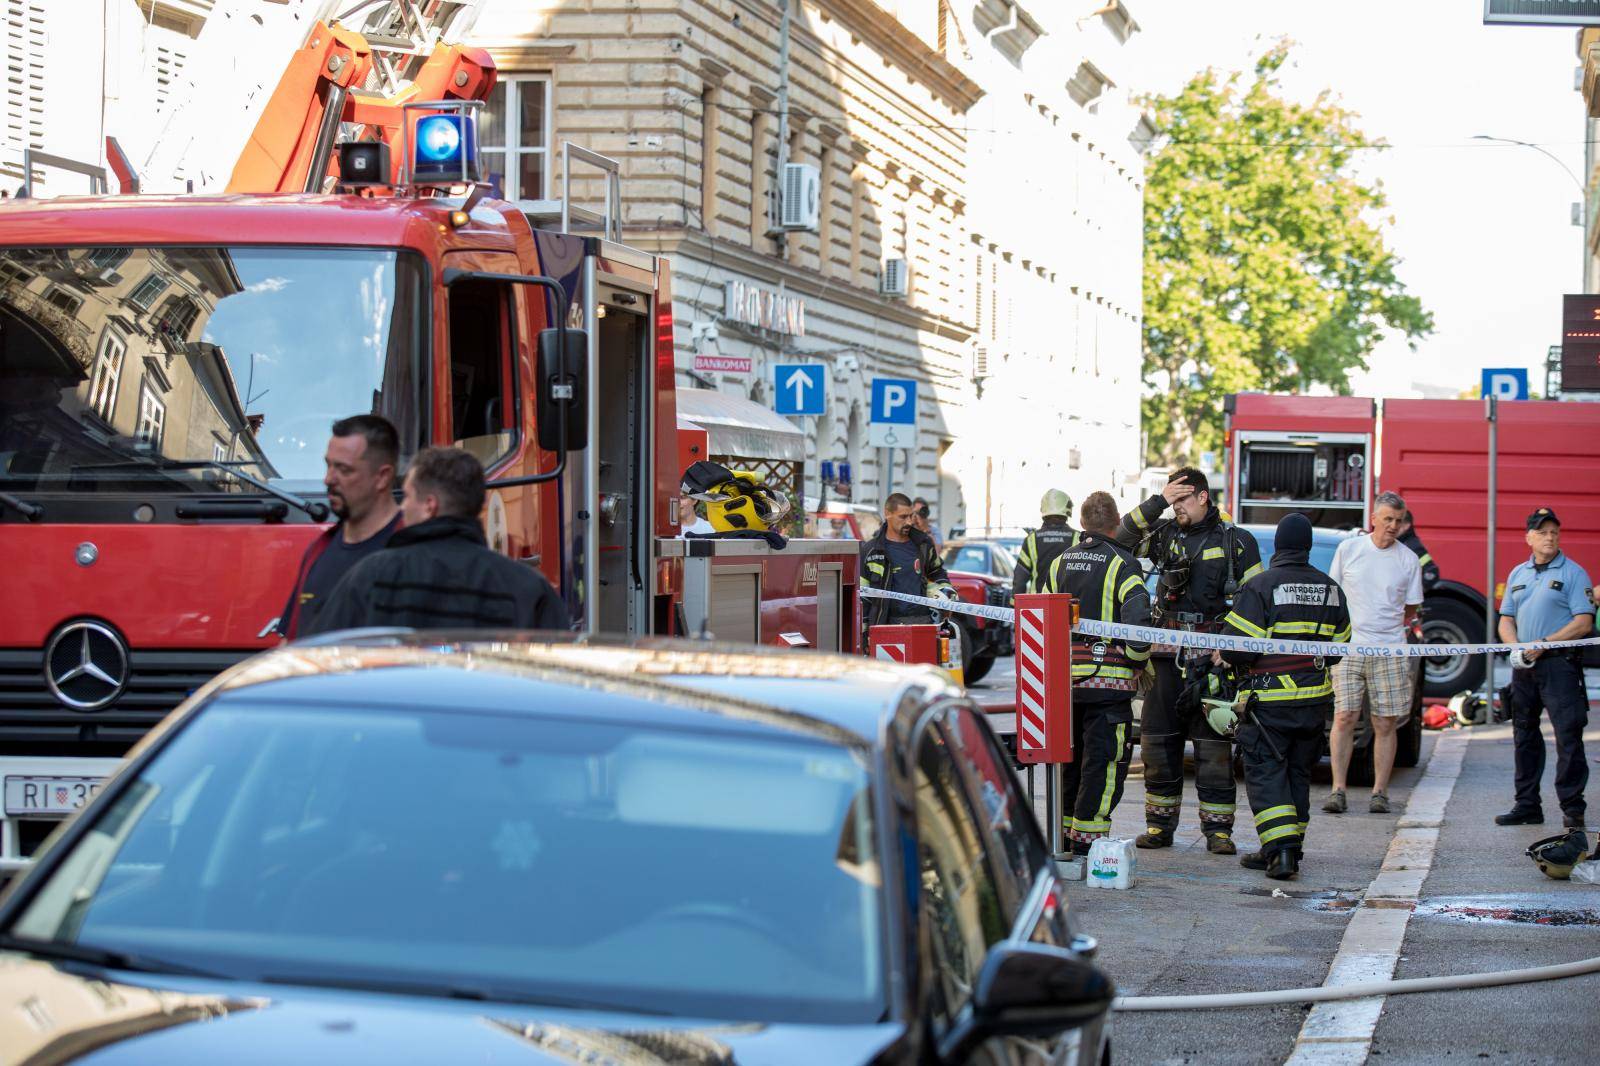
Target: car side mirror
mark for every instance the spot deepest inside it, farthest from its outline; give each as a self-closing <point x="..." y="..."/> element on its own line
<point x="563" y="390"/>
<point x="1027" y="989"/>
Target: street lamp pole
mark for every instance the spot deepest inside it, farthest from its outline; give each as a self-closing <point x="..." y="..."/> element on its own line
<point x="1583" y="197"/>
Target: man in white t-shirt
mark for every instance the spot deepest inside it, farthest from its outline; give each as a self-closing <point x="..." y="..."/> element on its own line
<point x="1382" y="581"/>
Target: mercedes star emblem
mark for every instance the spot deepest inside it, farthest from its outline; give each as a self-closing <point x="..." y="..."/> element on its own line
<point x="86" y="665"/>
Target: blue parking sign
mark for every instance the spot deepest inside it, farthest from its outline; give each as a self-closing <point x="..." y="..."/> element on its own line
<point x="894" y="413"/>
<point x="894" y="400"/>
<point x="1506" y="383"/>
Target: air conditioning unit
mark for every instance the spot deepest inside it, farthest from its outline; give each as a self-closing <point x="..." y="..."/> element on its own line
<point x="894" y="279"/>
<point x="980" y="362"/>
<point x="800" y="206"/>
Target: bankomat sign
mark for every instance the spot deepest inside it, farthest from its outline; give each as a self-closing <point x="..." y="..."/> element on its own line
<point x="1580" y="343"/>
<point x="1543" y="12"/>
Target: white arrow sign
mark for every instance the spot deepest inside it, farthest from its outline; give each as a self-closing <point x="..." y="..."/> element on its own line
<point x="799" y="381"/>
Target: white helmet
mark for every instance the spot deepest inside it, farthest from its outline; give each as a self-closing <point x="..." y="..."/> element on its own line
<point x="1056" y="502"/>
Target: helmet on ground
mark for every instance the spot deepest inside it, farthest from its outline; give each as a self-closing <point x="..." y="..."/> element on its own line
<point x="1557" y="855"/>
<point x="1056" y="502"/>
<point x="1437" y="716"/>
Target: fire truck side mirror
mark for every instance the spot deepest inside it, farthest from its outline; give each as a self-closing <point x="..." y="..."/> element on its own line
<point x="563" y="392"/>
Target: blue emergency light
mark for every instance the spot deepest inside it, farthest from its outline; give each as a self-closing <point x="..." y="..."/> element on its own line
<point x="446" y="148"/>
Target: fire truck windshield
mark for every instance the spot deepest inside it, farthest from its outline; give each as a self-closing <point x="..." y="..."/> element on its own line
<point x="141" y="369"/>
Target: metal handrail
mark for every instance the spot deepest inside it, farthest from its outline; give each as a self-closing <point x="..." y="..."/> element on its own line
<point x="613" y="169"/>
<point x="95" y="174"/>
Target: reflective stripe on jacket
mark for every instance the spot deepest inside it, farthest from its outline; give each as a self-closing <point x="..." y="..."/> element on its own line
<point x="1292" y="600"/>
<point x="1109" y="587"/>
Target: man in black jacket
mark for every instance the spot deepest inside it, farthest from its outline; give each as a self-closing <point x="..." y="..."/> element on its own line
<point x="901" y="558"/>
<point x="1290" y="696"/>
<point x="1202" y="560"/>
<point x="1109" y="587"/>
<point x="438" y="572"/>
<point x="1041" y="546"/>
<point x="1409" y="537"/>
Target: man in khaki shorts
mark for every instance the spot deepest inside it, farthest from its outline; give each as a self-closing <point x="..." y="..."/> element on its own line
<point x="1382" y="581"/>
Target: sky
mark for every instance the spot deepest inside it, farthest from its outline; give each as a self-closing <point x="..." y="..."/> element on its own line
<point x="1484" y="230"/>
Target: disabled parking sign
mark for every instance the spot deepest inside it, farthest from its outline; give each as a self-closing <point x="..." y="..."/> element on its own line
<point x="894" y="413"/>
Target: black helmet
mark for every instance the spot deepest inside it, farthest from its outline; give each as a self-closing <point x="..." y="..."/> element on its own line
<point x="1557" y="855"/>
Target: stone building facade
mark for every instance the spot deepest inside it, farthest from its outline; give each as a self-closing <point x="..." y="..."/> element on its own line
<point x="983" y="147"/>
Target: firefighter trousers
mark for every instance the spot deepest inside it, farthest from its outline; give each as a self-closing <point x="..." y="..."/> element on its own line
<point x="1091" y="784"/>
<point x="1281" y="744"/>
<point x="1163" y="736"/>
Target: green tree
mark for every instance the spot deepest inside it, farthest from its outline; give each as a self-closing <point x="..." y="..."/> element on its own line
<point x="1264" y="261"/>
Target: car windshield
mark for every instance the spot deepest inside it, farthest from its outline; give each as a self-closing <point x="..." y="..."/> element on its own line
<point x="163" y="369"/>
<point x="718" y="874"/>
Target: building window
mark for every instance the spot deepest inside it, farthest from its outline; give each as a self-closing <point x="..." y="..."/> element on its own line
<point x="144" y="294"/>
<point x="515" y="136"/>
<point x="152" y="418"/>
<point x="219" y="452"/>
<point x="104" y="259"/>
<point x="178" y="318"/>
<point x="64" y="301"/>
<point x="107" y="375"/>
<point x="15" y="272"/>
<point x="1088" y="85"/>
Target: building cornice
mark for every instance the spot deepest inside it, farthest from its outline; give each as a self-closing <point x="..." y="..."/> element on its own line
<point x="905" y="49"/>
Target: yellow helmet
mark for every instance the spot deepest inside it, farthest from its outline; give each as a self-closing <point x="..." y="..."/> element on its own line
<point x="1056" y="502"/>
<point x="736" y="500"/>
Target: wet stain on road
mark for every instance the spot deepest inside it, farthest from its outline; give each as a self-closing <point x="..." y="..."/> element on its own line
<point x="1509" y="914"/>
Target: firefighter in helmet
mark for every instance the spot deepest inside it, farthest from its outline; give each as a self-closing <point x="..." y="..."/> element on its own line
<point x="1042" y="545"/>
<point x="1109" y="587"/>
<point x="1202" y="560"/>
<point x="1285" y="698"/>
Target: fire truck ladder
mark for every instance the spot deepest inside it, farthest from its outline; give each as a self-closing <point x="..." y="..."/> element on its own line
<point x="403" y="33"/>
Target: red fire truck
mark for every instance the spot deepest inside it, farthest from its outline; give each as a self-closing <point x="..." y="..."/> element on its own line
<point x="1329" y="456"/>
<point x="169" y="368"/>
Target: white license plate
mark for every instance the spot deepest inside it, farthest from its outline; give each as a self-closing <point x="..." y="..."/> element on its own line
<point x="49" y="795"/>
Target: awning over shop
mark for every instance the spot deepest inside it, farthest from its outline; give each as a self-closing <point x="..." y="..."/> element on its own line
<point x="736" y="426"/>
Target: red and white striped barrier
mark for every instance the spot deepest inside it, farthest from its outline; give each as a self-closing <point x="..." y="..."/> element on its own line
<point x="1044" y="678"/>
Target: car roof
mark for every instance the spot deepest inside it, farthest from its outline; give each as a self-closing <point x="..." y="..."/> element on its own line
<point x="839" y="698"/>
<point x="1320" y="535"/>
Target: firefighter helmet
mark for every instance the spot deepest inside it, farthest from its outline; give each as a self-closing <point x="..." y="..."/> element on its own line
<point x="1056" y="502"/>
<point x="1557" y="855"/>
<point x="736" y="500"/>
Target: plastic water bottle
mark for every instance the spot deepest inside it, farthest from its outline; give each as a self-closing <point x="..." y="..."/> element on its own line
<point x="1111" y="863"/>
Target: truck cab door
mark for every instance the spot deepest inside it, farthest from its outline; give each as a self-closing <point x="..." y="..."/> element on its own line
<point x="479" y="393"/>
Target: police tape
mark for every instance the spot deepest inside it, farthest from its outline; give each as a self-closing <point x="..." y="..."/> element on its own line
<point x="1228" y="642"/>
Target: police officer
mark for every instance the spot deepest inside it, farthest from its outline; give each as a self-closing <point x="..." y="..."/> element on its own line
<point x="902" y="558"/>
<point x="1202" y="560"/>
<point x="1287" y="698"/>
<point x="1041" y="546"/>
<point x="1109" y="587"/>
<point x="1547" y="598"/>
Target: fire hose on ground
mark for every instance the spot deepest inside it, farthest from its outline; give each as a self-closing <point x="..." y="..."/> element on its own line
<point x="1222" y="642"/>
<point x="1362" y="990"/>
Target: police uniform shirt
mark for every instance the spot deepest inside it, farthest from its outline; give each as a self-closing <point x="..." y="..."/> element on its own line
<point x="1543" y="599"/>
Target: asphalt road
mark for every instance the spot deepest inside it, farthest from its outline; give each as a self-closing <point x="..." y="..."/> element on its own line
<point x="1196" y="923"/>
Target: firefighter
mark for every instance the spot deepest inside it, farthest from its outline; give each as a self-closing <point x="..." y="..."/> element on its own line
<point x="1286" y="698"/>
<point x="1202" y="559"/>
<point x="1109" y="587"/>
<point x="902" y="558"/>
<point x="1408" y="537"/>
<point x="1042" y="545"/>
